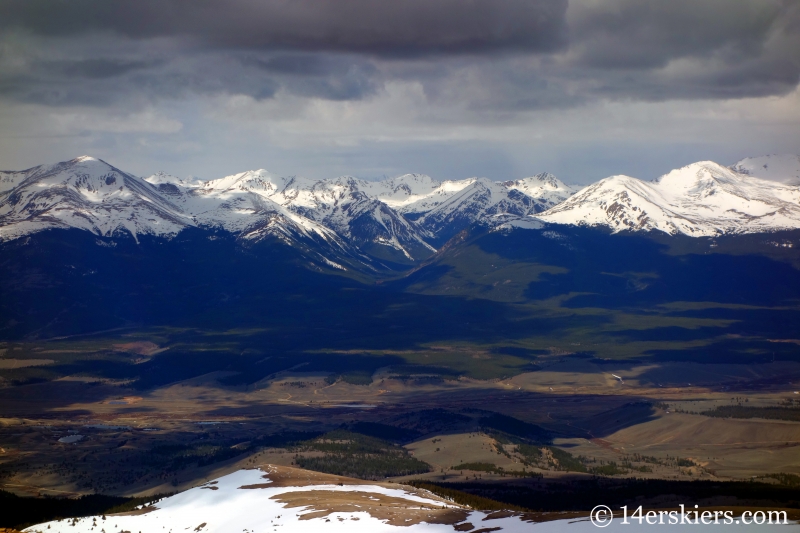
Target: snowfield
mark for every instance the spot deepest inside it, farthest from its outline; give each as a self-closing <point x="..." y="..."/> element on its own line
<point x="783" y="168"/>
<point x="287" y="500"/>
<point x="245" y="502"/>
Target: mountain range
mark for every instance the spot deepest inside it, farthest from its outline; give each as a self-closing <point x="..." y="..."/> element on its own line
<point x="347" y="223"/>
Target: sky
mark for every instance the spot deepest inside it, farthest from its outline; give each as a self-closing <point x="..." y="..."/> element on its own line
<point x="372" y="88"/>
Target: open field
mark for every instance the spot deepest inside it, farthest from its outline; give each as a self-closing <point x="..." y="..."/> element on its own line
<point x="506" y="364"/>
<point x="177" y="435"/>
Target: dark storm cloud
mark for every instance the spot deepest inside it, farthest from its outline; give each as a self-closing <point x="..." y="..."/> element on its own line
<point x="331" y="77"/>
<point x="685" y="49"/>
<point x="392" y="27"/>
<point x="486" y="56"/>
<point x="644" y="34"/>
<point x="298" y="65"/>
<point x="99" y="68"/>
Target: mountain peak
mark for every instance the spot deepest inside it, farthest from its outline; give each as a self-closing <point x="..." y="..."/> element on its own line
<point x="702" y="174"/>
<point x="701" y="199"/>
<point x="162" y="178"/>
<point x="84" y="158"/>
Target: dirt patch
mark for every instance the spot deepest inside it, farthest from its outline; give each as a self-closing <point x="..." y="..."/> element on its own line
<point x="146" y="348"/>
<point x="287" y="476"/>
<point x="136" y="512"/>
<point x="126" y="400"/>
<point x="390" y="509"/>
<point x="394" y="510"/>
<point x="10" y="364"/>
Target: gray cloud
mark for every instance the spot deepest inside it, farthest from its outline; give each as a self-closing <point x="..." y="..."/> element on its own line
<point x="397" y="27"/>
<point x="370" y="80"/>
<point x="329" y="76"/>
<point x="555" y="56"/>
<point x="645" y="34"/>
<point x="98" y="68"/>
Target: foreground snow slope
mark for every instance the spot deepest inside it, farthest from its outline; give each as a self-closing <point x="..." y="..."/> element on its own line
<point x="701" y="199"/>
<point x="290" y="500"/>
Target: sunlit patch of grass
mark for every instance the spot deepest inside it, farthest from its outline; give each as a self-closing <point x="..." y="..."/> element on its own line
<point x="477" y="274"/>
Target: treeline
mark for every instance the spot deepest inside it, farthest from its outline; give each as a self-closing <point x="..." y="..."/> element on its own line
<point x="175" y="457"/>
<point x="365" y="466"/>
<point x="514" y="427"/>
<point x="355" y="455"/>
<point x="566" y="461"/>
<point x="20" y="512"/>
<point x="789" y="480"/>
<point x="741" y="411"/>
<point x="583" y="494"/>
<point x="494" y="469"/>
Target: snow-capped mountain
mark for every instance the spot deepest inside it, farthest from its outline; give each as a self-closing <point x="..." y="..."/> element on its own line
<point x="783" y="168"/>
<point x="403" y="214"/>
<point x="398" y="219"/>
<point x="701" y="199"/>
<point x="84" y="193"/>
<point x="454" y="205"/>
<point x="354" y="209"/>
<point x="90" y="194"/>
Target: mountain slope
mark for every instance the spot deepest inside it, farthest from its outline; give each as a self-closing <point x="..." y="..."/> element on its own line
<point x="342" y="205"/>
<point x="781" y="168"/>
<point x="84" y="193"/>
<point x="701" y="199"/>
<point x="453" y="206"/>
<point x="394" y="220"/>
<point x="292" y="500"/>
<point x="91" y="195"/>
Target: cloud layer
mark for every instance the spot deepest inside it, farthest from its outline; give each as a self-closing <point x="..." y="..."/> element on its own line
<point x="425" y="70"/>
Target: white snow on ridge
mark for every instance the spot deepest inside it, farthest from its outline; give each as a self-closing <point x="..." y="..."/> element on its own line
<point x="88" y="194"/>
<point x="345" y="205"/>
<point x="406" y="214"/>
<point x="161" y="178"/>
<point x="783" y="168"/>
<point x="225" y="506"/>
<point x="701" y="199"/>
<point x="245" y="502"/>
<point x="545" y="188"/>
<point x="455" y="205"/>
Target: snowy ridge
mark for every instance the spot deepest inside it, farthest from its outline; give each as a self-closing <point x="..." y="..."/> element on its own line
<point x="338" y="207"/>
<point x="291" y="500"/>
<point x="88" y="194"/>
<point x="370" y="214"/>
<point x="701" y="199"/>
<point x="250" y="501"/>
<point x="398" y="219"/>
<point x="781" y="168"/>
<point x="457" y="204"/>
